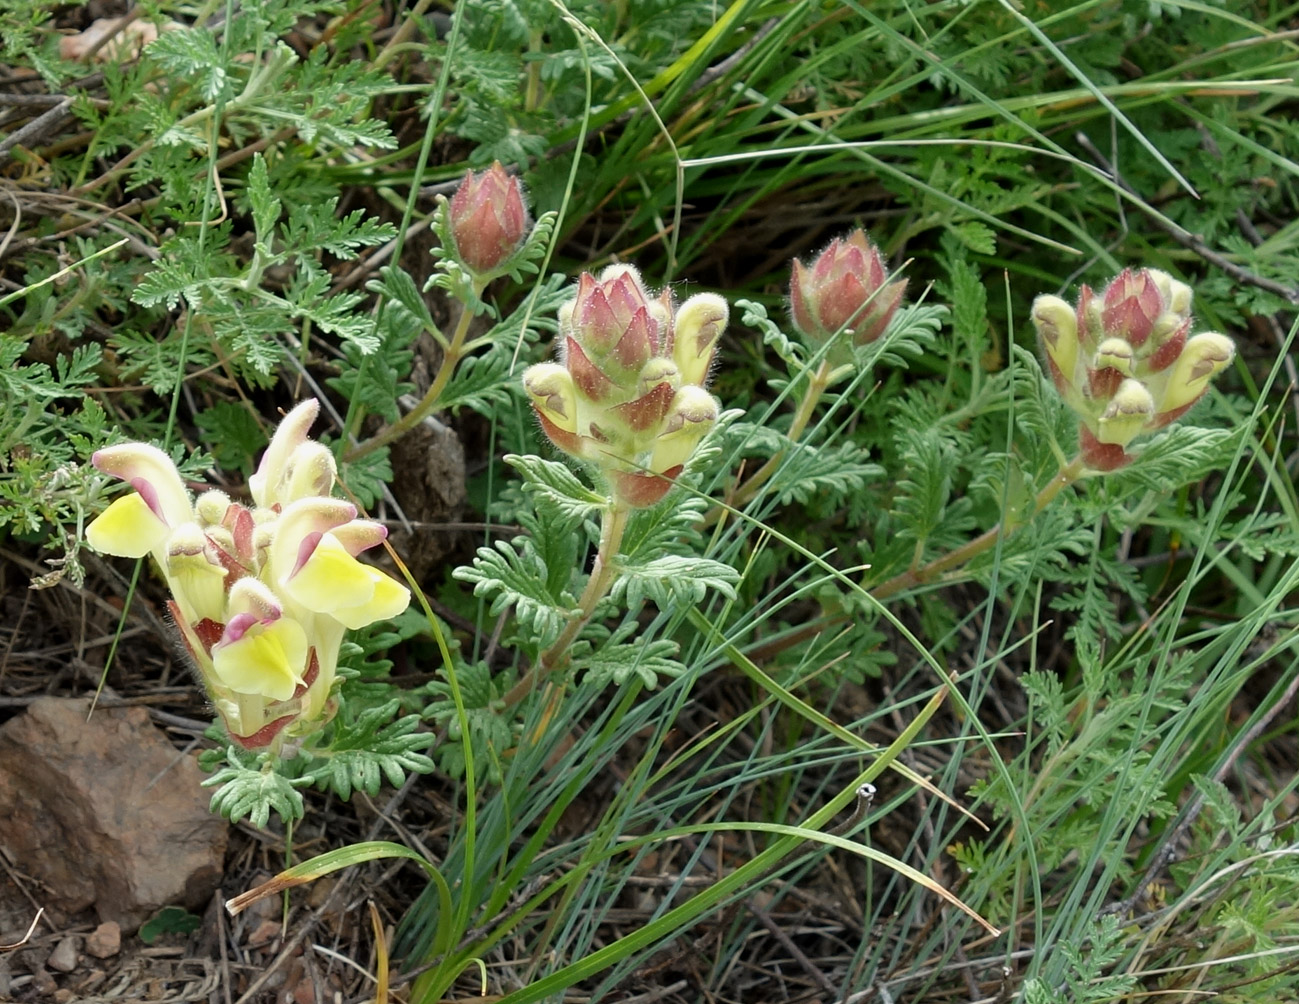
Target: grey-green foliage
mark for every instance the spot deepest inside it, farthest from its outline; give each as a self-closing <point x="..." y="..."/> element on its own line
<point x="492" y="730"/>
<point x="514" y="575"/>
<point x="353" y="755"/>
<point x="248" y="787"/>
<point x="622" y="656"/>
<point x="361" y="754"/>
<point x="672" y="579"/>
<point x="515" y="93"/>
<point x="234" y="297"/>
<point x="1086" y="977"/>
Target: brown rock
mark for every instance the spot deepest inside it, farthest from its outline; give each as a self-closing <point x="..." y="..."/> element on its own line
<point x="44" y="982"/>
<point x="64" y="957"/>
<point x="105" y="941"/>
<point x="105" y="812"/>
<point x="429" y="484"/>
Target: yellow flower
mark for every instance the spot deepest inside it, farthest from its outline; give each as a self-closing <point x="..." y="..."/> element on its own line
<point x="135" y="525"/>
<point x="262" y="596"/>
<point x="261" y="652"/>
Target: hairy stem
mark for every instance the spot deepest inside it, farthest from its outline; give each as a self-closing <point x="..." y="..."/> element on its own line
<point x="613" y="524"/>
<point x="815" y="388"/>
<point x="1067" y="475"/>
<point x="429" y="401"/>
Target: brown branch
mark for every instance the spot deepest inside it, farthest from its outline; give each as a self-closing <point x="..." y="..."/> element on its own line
<point x="1192" y="242"/>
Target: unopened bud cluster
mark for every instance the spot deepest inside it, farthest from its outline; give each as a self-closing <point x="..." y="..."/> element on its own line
<point x="488" y="220"/>
<point x="262" y="595"/>
<point x="1124" y="361"/>
<point x="627" y="396"/>
<point x="844" y="290"/>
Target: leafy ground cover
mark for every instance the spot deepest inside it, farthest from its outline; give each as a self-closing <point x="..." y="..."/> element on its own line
<point x="889" y="699"/>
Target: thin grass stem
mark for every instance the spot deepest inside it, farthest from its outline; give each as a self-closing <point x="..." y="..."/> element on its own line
<point x="815" y="388"/>
<point x="1066" y="476"/>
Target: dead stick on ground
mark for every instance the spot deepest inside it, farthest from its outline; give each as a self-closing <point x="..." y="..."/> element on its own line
<point x="787" y="943"/>
<point x="293" y="944"/>
<point x="1188" y="240"/>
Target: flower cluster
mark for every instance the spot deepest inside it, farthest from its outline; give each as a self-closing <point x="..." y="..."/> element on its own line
<point x="1123" y="361"/>
<point x="262" y="595"/>
<point x="844" y="289"/>
<point x="628" y="395"/>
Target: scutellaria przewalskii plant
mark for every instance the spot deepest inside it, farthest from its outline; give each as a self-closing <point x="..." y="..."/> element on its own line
<point x="627" y="398"/>
<point x="627" y="401"/>
<point x="264" y="594"/>
<point x="236" y="210"/>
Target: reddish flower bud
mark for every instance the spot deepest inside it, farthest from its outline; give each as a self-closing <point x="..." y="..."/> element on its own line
<point x="844" y="289"/>
<point x="488" y="219"/>
<point x="1130" y="306"/>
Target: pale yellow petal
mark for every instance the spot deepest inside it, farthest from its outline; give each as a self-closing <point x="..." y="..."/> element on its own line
<point x="267" y="484"/>
<point x="127" y="528"/>
<point x="268" y="661"/>
<point x="1057" y="325"/>
<point x="390" y="598"/>
<point x="1204" y="357"/>
<point x="1128" y="412"/>
<point x="550" y="387"/>
<point x="150" y="472"/>
<point x="331" y="579"/>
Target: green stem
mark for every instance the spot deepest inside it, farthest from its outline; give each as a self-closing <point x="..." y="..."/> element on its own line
<point x="454" y="351"/>
<point x="1066" y="476"/>
<point x="262" y="77"/>
<point x="815" y="388"/>
<point x="911" y="578"/>
<point x="613" y="524"/>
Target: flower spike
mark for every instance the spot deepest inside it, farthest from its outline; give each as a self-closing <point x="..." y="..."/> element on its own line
<point x="629" y="381"/>
<point x="262" y="596"/>
<point x="1123" y="362"/>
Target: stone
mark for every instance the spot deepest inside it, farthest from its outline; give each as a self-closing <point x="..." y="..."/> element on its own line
<point x="44" y="982"/>
<point x="64" y="957"/>
<point x="105" y="812"/>
<point x="105" y="941"/>
<point x="429" y="484"/>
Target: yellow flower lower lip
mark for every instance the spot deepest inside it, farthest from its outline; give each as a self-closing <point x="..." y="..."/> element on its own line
<point x="388" y="600"/>
<point x="330" y="579"/>
<point x="265" y="659"/>
<point x="128" y="528"/>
